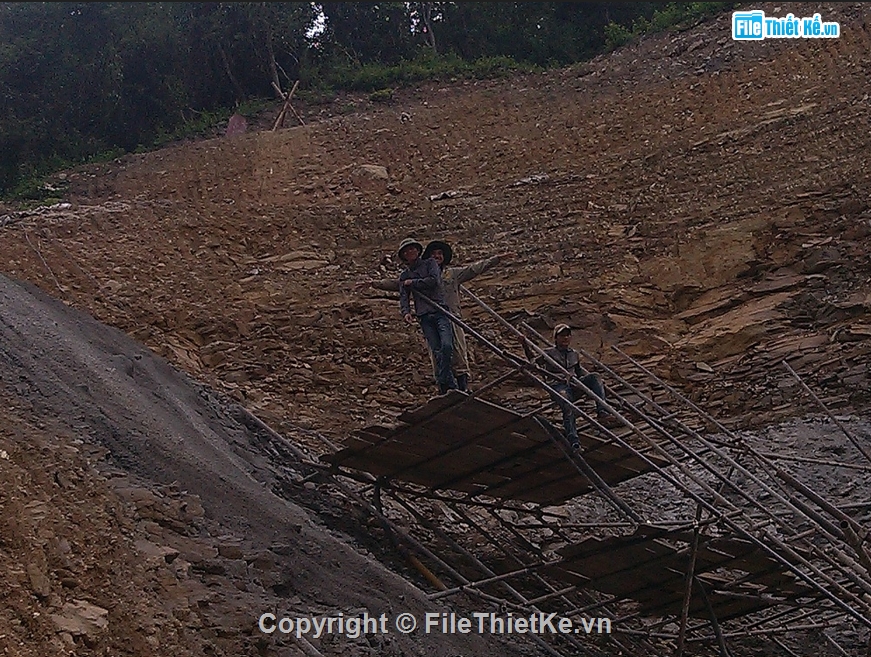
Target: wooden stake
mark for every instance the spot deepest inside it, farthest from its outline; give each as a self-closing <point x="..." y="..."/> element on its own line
<point x="279" y="121"/>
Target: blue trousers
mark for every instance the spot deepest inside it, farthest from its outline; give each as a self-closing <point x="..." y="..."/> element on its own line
<point x="440" y="337"/>
<point x="594" y="383"/>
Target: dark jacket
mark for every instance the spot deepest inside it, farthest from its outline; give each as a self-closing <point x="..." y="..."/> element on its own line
<point x="427" y="277"/>
<point x="452" y="278"/>
<point x="568" y="358"/>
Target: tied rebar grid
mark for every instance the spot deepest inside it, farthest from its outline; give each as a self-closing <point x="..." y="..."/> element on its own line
<point x="723" y="479"/>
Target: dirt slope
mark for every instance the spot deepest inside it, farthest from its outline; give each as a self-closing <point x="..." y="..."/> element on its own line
<point x="693" y="198"/>
<point x="191" y="472"/>
<point x="701" y="203"/>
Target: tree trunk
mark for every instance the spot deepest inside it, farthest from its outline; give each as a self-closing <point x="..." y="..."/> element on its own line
<point x="240" y="93"/>
<point x="426" y="13"/>
<point x="273" y="67"/>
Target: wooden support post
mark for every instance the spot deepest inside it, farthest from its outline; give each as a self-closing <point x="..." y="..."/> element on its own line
<point x="715" y="623"/>
<point x="279" y="121"/>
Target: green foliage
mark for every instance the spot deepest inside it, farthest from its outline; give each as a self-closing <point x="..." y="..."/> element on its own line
<point x="253" y="107"/>
<point x="679" y="13"/>
<point x="496" y="67"/>
<point x="201" y="124"/>
<point x="33" y="183"/>
<point x="378" y="78"/>
<point x="369" y="32"/>
<point x="319" y="95"/>
<point x="32" y="188"/>
<point x="616" y="35"/>
<point x="673" y="14"/>
<point x="381" y="96"/>
<point x="79" y="80"/>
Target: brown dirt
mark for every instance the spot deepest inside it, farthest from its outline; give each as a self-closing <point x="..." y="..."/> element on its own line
<point x="179" y="539"/>
<point x="699" y="202"/>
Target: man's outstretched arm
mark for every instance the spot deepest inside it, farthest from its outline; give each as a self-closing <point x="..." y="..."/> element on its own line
<point x="469" y="272"/>
<point x="385" y="284"/>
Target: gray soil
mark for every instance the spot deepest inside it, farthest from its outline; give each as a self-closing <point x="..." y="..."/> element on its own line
<point x="166" y="430"/>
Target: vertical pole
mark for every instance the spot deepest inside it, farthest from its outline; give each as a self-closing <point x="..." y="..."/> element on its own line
<point x="718" y="631"/>
<point x="688" y="592"/>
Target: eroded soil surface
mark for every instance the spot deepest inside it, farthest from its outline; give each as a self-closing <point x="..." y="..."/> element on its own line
<point x="699" y="202"/>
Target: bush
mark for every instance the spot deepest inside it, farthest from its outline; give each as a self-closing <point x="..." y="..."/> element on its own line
<point x="381" y="96"/>
<point x="679" y="13"/>
<point x="674" y="14"/>
<point x="492" y="67"/>
<point x="616" y="35"/>
<point x="377" y="78"/>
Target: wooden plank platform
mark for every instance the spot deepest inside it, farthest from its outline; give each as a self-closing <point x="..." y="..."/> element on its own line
<point x="462" y="443"/>
<point x="649" y="567"/>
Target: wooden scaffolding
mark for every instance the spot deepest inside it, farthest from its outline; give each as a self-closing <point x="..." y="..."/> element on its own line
<point x="672" y="526"/>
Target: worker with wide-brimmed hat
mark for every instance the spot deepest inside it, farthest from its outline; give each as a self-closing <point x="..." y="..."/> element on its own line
<point x="452" y="278"/>
<point x="422" y="278"/>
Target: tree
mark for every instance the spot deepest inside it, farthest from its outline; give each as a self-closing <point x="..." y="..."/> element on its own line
<point x="251" y="44"/>
<point x="370" y="31"/>
<point x="80" y="78"/>
<point x="424" y="11"/>
<point x="52" y="53"/>
<point x="535" y="32"/>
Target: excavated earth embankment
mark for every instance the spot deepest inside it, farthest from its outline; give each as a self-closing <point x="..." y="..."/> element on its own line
<point x="701" y="203"/>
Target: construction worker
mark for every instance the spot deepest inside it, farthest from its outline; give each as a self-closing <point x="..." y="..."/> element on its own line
<point x="569" y="359"/>
<point x="423" y="277"/>
<point x="452" y="278"/>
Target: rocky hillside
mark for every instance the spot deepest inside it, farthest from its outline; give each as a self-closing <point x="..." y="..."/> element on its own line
<point x="699" y="202"/>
